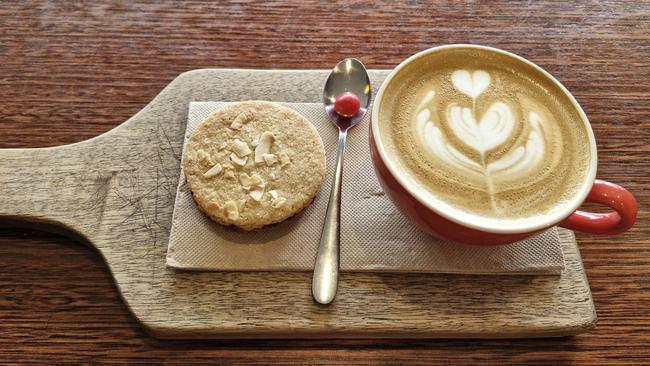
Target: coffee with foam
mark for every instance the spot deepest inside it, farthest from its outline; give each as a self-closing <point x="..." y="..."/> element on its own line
<point x="485" y="134"/>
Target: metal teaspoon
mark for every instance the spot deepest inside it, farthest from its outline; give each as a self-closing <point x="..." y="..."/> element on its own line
<point x="349" y="75"/>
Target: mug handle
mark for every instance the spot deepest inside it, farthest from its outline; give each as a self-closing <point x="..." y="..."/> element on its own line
<point x="609" y="194"/>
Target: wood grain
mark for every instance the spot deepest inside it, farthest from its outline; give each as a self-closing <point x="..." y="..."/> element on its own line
<point x="70" y="72"/>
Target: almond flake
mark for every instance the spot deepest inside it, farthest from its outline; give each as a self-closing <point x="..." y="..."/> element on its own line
<point x="263" y="146"/>
<point x="284" y="159"/>
<point x="220" y="155"/>
<point x="240" y="148"/>
<point x="257" y="181"/>
<point x="240" y="204"/>
<point x="229" y="174"/>
<point x="232" y="211"/>
<point x="203" y="156"/>
<point x="245" y="180"/>
<point x="216" y="169"/>
<point x="257" y="194"/>
<point x="274" y="193"/>
<point x="270" y="159"/>
<point x="239" y="161"/>
<point x="278" y="202"/>
<point x="240" y="120"/>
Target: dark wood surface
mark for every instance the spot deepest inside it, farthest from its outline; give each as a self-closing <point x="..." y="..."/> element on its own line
<point x="63" y="63"/>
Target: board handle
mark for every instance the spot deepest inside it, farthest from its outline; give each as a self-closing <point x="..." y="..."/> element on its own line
<point x="45" y="188"/>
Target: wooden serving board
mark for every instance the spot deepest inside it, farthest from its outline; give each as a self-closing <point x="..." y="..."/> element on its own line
<point x="116" y="193"/>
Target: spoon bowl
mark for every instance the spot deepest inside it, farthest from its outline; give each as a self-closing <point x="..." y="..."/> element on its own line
<point x="351" y="76"/>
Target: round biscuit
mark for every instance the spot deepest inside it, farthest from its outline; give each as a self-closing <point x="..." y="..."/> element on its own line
<point x="291" y="174"/>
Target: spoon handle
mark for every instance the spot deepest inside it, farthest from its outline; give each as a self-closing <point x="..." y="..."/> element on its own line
<point x="326" y="269"/>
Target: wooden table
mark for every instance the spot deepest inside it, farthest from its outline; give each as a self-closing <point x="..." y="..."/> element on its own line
<point x="63" y="63"/>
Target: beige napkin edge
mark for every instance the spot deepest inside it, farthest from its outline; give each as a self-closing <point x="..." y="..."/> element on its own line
<point x="548" y="270"/>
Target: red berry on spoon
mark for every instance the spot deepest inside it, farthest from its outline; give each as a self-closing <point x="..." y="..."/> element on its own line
<point x="347" y="104"/>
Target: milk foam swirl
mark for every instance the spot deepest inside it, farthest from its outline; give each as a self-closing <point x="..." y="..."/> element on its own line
<point x="492" y="130"/>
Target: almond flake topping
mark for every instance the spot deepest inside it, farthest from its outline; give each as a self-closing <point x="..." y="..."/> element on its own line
<point x="239" y="161"/>
<point x="278" y="202"/>
<point x="263" y="146"/>
<point x="257" y="194"/>
<point x="240" y="148"/>
<point x="215" y="170"/>
<point x="284" y="159"/>
<point x="240" y="120"/>
<point x="269" y="159"/>
<point x="232" y="211"/>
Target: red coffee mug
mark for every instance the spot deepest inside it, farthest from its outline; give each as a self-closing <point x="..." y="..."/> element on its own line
<point x="436" y="221"/>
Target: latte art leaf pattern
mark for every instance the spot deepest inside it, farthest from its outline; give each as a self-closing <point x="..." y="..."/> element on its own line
<point x="493" y="129"/>
<point x="526" y="156"/>
<point x="481" y="134"/>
